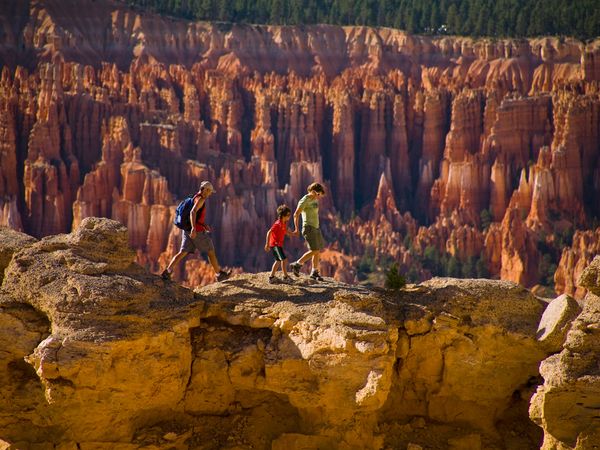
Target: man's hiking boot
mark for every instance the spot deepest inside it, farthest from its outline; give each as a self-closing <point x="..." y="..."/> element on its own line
<point x="166" y="275"/>
<point x="223" y="275"/>
<point x="316" y="276"/>
<point x="296" y="266"/>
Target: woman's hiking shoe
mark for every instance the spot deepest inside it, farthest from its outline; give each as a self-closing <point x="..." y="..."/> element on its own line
<point x="316" y="276"/>
<point x="296" y="266"/>
<point x="288" y="279"/>
<point x="223" y="275"/>
<point x="165" y="275"/>
<point x="272" y="279"/>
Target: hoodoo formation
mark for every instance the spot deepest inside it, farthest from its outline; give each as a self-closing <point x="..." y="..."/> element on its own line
<point x="99" y="353"/>
<point x="449" y="155"/>
<point x="452" y="156"/>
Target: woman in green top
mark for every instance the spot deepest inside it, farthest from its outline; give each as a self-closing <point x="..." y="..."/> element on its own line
<point x="308" y="206"/>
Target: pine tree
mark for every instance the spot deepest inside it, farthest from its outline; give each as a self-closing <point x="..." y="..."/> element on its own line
<point x="486" y="219"/>
<point x="453" y="268"/>
<point x="521" y="26"/>
<point x="520" y="18"/>
<point x="481" y="270"/>
<point x="452" y="20"/>
<point x="434" y="18"/>
<point x="394" y="279"/>
<point x="276" y="16"/>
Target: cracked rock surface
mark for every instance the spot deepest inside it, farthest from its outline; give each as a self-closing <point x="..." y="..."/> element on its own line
<point x="99" y="353"/>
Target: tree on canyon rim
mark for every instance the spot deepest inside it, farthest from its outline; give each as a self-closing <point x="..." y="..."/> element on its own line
<point x="494" y="18"/>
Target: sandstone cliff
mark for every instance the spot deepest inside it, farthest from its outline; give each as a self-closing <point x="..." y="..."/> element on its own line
<point x="110" y="111"/>
<point x="566" y="405"/>
<point x="100" y="353"/>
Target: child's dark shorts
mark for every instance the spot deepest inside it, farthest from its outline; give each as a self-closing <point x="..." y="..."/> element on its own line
<point x="201" y="242"/>
<point x="278" y="253"/>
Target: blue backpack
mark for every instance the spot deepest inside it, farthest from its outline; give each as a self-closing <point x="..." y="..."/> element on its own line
<point x="182" y="213"/>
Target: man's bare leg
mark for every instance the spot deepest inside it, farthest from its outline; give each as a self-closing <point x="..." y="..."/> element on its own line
<point x="309" y="254"/>
<point x="295" y="266"/>
<point x="166" y="274"/>
<point x="316" y="258"/>
<point x="212" y="258"/>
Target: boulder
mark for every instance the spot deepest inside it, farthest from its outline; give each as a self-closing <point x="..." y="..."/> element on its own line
<point x="556" y="322"/>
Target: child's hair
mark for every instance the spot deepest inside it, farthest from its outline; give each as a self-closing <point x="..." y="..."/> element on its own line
<point x="283" y="210"/>
<point x="316" y="187"/>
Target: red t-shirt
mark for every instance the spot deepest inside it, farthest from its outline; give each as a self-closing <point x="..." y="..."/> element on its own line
<point x="277" y="233"/>
<point x="200" y="214"/>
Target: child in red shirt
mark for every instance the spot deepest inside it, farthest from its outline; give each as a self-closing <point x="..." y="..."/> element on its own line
<point x="275" y="237"/>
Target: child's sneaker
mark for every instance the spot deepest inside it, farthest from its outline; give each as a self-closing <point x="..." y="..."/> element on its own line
<point x="316" y="276"/>
<point x="166" y="275"/>
<point x="223" y="275"/>
<point x="296" y="266"/>
<point x="272" y="279"/>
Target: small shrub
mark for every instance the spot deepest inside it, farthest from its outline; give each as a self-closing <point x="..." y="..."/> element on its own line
<point x="394" y="279"/>
<point x="486" y="219"/>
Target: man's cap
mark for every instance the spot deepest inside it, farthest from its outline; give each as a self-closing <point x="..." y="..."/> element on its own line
<point x="207" y="184"/>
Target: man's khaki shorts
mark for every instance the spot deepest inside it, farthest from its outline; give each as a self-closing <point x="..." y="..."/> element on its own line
<point x="201" y="242"/>
<point x="313" y="238"/>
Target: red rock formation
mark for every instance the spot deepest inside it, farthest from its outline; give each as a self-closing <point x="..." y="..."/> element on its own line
<point x="50" y="170"/>
<point x="575" y="149"/>
<point x="95" y="196"/>
<point x="462" y="130"/>
<point x="462" y="185"/>
<point x="343" y="153"/>
<point x="434" y="135"/>
<point x="522" y="126"/>
<point x="465" y="242"/>
<point x="339" y="266"/>
<point x="398" y="152"/>
<point x="519" y="253"/>
<point x="9" y="187"/>
<point x="372" y="148"/>
<point x="499" y="188"/>
<point x="590" y="62"/>
<point x="586" y="245"/>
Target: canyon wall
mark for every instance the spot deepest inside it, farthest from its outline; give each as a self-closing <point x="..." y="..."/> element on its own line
<point x="99" y="353"/>
<point x="444" y="154"/>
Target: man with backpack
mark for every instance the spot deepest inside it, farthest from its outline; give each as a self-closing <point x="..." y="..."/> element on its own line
<point x="190" y="211"/>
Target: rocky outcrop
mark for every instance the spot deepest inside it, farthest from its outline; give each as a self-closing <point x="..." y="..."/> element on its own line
<point x="565" y="406"/>
<point x="590" y="278"/>
<point x="98" y="352"/>
<point x="120" y="113"/>
<point x="12" y="242"/>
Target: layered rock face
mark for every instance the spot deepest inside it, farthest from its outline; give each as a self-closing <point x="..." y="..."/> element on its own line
<point x="566" y="405"/>
<point x="113" y="112"/>
<point x="100" y="353"/>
